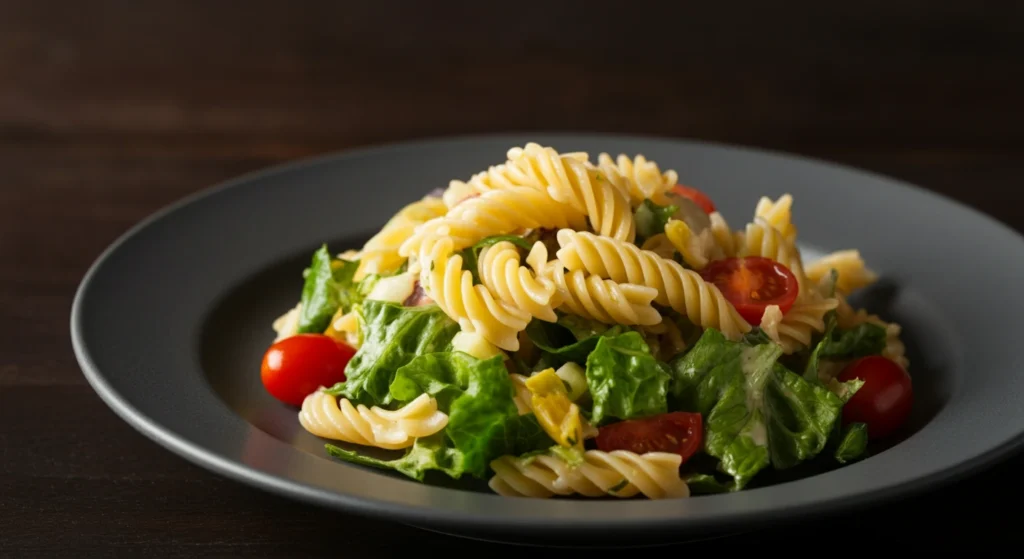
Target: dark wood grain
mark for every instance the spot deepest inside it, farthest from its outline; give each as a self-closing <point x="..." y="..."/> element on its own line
<point x="110" y="110"/>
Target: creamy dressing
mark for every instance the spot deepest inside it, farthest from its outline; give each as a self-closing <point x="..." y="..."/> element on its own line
<point x="754" y="377"/>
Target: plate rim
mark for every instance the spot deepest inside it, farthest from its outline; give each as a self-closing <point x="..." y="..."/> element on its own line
<point x="413" y="515"/>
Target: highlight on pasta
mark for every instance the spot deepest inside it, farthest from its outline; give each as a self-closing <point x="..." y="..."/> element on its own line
<point x="564" y="326"/>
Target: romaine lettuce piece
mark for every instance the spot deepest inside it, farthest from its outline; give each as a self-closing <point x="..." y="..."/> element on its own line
<point x="625" y="380"/>
<point x="328" y="285"/>
<point x="756" y="412"/>
<point x="478" y="396"/>
<point x="393" y="336"/>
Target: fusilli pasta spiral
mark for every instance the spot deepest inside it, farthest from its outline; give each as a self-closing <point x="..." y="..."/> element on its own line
<point x="381" y="253"/>
<point x="324" y="416"/>
<point x="516" y="285"/>
<point x="778" y="214"/>
<point x="853" y="273"/>
<point x="683" y="290"/>
<point x="660" y="244"/>
<point x="575" y="183"/>
<point x="697" y="249"/>
<point x="474" y="307"/>
<point x="618" y="473"/>
<point x="638" y="177"/>
<point x="761" y="239"/>
<point x="601" y="299"/>
<point x="497" y="212"/>
<point x="729" y="242"/>
<point x="795" y="329"/>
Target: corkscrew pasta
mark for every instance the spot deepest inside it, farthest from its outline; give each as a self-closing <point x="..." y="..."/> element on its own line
<point x="618" y="473"/>
<point x="327" y="417"/>
<point x="571" y="181"/>
<point x="681" y="289"/>
<point x="560" y="326"/>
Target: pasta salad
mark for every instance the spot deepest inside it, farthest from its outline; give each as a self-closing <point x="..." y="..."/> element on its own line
<point x="561" y="326"/>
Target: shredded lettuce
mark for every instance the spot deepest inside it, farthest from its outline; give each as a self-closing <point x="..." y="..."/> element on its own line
<point x="393" y="336"/>
<point x="756" y="411"/>
<point x="625" y="380"/>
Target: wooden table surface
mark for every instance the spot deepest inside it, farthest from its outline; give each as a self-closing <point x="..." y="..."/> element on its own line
<point x="109" y="112"/>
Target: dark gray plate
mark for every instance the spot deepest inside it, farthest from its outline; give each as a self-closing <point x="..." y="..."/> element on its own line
<point x="171" y="323"/>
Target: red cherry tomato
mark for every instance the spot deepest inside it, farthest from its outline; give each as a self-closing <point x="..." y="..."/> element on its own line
<point x="697" y="196"/>
<point x="298" y="365"/>
<point x="752" y="283"/>
<point x="885" y="399"/>
<point x="677" y="432"/>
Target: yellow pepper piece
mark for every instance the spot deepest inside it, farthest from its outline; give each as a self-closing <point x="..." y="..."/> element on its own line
<point x="555" y="412"/>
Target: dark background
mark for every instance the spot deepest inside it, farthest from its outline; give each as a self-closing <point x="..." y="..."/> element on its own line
<point x="110" y="110"/>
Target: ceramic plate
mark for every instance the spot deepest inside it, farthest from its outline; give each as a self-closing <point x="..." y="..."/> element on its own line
<point x="171" y="323"/>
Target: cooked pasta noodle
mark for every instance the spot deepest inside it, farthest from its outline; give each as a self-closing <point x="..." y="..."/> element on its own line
<point x="324" y="416"/>
<point x="575" y="183"/>
<point x="778" y="214"/>
<point x="474" y="307"/>
<point x="697" y="249"/>
<point x="287" y="324"/>
<point x="795" y="329"/>
<point x="381" y="252"/>
<point x="661" y="245"/>
<point x="497" y="212"/>
<point x="853" y="273"/>
<point x="602" y="300"/>
<point x="618" y="473"/>
<point x="729" y="242"/>
<point x="681" y="289"/>
<point x="761" y="239"/>
<point x="516" y="285"/>
<point x="639" y="178"/>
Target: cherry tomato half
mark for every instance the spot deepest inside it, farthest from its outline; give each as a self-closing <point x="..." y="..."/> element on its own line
<point x="752" y="283"/>
<point x="298" y="365"/>
<point x="697" y="196"/>
<point x="885" y="399"/>
<point x="678" y="432"/>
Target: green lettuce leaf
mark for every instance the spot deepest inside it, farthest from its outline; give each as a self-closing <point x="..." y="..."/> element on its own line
<point x="478" y="396"/>
<point x="705" y="484"/>
<point x="324" y="290"/>
<point x="559" y="345"/>
<point x="625" y="380"/>
<point x="471" y="255"/>
<point x="860" y="341"/>
<point x="427" y="453"/>
<point x="756" y="412"/>
<point x="393" y="336"/>
<point x="651" y="219"/>
<point x="853" y="443"/>
<point x="836" y="344"/>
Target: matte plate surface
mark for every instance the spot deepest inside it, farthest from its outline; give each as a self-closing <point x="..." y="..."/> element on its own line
<point x="171" y="322"/>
